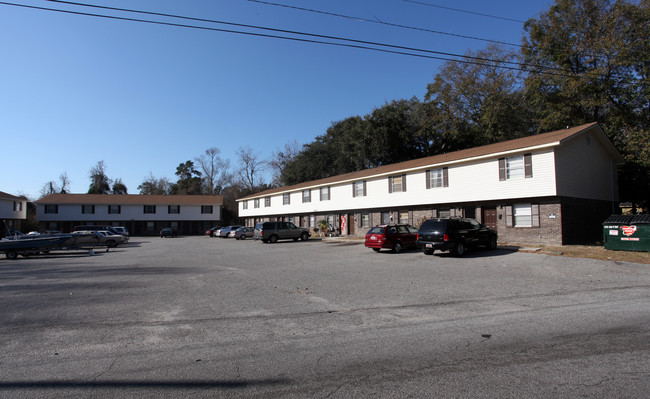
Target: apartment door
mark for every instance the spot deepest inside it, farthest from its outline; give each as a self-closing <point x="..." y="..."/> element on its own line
<point x="490" y="217"/>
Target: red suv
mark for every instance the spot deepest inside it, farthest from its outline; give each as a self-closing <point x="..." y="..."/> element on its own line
<point x="392" y="236"/>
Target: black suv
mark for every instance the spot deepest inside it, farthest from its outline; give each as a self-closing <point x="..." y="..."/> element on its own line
<point x="455" y="235"/>
<point x="274" y="231"/>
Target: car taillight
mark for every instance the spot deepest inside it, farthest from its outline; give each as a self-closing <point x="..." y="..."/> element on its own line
<point x="445" y="237"/>
<point x="417" y="236"/>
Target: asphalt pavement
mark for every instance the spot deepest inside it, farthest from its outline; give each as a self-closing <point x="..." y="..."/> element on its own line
<point x="210" y="317"/>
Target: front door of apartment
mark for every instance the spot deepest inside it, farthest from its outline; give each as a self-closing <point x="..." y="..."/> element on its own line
<point x="490" y="217"/>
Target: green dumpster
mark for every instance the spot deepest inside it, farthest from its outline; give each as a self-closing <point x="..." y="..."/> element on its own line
<point x="627" y="233"/>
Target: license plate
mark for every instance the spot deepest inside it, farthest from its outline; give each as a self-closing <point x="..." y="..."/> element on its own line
<point x="373" y="237"/>
<point x="429" y="245"/>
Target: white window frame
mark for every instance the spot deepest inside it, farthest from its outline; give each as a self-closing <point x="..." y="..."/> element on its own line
<point x="306" y="196"/>
<point x="358" y="189"/>
<point x="436" y="180"/>
<point x="515" y="167"/>
<point x="522" y="215"/>
<point x="396" y="182"/>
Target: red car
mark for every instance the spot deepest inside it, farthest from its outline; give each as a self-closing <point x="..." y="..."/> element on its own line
<point x="392" y="236"/>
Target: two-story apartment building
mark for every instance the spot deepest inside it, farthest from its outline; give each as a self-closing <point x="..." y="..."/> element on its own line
<point x="140" y="214"/>
<point x="13" y="211"/>
<point x="552" y="188"/>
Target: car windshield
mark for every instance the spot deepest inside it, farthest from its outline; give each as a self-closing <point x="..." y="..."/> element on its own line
<point x="376" y="230"/>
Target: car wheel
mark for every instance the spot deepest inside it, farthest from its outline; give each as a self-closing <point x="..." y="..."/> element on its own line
<point x="459" y="249"/>
<point x="493" y="243"/>
<point x="273" y="239"/>
<point x="243" y="237"/>
<point x="296" y="239"/>
<point x="265" y="241"/>
<point x="304" y="236"/>
<point x="11" y="254"/>
<point x="397" y="248"/>
<point x="376" y="249"/>
<point x="428" y="251"/>
<point x="111" y="244"/>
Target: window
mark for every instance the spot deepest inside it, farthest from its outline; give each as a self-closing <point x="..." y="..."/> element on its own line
<point x="522" y="215"/>
<point x="245" y="205"/>
<point x="149" y="209"/>
<point x="365" y="219"/>
<point x="324" y="193"/>
<point x="18" y="206"/>
<point x="175" y="209"/>
<point x="397" y="184"/>
<point x="286" y="199"/>
<point x="306" y="196"/>
<point x="359" y="189"/>
<point x="437" y="178"/>
<point x="87" y="209"/>
<point x="206" y="209"/>
<point x="312" y="221"/>
<point x="114" y="209"/>
<point x="256" y="203"/>
<point x="51" y="209"/>
<point x="404" y="217"/>
<point x="517" y="167"/>
<point x="267" y="202"/>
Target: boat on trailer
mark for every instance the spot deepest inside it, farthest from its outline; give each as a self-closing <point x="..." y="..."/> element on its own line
<point x="26" y="244"/>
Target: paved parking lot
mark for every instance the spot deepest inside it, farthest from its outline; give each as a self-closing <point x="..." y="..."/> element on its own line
<point x="209" y="317"/>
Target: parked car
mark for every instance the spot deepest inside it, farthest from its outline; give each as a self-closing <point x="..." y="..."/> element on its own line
<point x="212" y="231"/>
<point x="455" y="235"/>
<point x="110" y="239"/>
<point x="274" y="231"/>
<point x="225" y="230"/>
<point x="394" y="237"/>
<point x="241" y="233"/>
<point x="168" y="232"/>
<point x="81" y="238"/>
<point x="92" y="227"/>
<point x="122" y="231"/>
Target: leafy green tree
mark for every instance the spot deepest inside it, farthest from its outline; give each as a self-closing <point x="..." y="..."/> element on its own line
<point x="476" y="103"/>
<point x="119" y="187"/>
<point x="153" y="186"/>
<point x="594" y="56"/>
<point x="99" y="181"/>
<point x="189" y="180"/>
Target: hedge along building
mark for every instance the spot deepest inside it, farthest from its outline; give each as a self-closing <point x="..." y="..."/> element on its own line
<point x="551" y="188"/>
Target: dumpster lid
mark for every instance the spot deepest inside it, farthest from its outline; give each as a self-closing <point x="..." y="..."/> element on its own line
<point x="628" y="219"/>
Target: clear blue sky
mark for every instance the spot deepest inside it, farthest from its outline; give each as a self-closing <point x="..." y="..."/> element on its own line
<point x="143" y="98"/>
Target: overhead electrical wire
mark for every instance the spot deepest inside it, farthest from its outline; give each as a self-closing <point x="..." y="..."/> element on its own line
<point x="463" y="11"/>
<point x="360" y="44"/>
<point x="352" y="43"/>
<point x="377" y="21"/>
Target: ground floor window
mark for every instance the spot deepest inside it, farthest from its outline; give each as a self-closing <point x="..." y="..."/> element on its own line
<point x="444" y="213"/>
<point x="404" y="217"/>
<point x="365" y="219"/>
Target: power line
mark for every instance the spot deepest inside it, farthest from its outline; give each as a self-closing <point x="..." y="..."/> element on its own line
<point x="362" y="44"/>
<point x="377" y="21"/>
<point x="352" y="43"/>
<point x="463" y="11"/>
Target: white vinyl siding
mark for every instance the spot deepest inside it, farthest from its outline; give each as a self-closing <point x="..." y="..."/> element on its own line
<point x="472" y="181"/>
